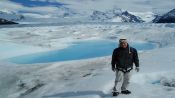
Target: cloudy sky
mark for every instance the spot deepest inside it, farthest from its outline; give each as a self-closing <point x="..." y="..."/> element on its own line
<point x="50" y="6"/>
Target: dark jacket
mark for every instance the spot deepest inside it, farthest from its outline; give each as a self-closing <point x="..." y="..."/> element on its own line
<point x="123" y="58"/>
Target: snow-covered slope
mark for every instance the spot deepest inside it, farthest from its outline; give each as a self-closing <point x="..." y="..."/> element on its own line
<point x="127" y="17"/>
<point x="115" y="15"/>
<point x="145" y="16"/>
<point x="169" y="17"/>
<point x="88" y="78"/>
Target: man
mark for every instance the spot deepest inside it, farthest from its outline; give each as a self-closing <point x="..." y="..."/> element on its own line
<point x="123" y="58"/>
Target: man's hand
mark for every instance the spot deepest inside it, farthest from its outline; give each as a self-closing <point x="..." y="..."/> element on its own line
<point x="137" y="69"/>
<point x="113" y="69"/>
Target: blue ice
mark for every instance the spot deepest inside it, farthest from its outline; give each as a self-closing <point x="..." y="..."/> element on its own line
<point x="80" y="50"/>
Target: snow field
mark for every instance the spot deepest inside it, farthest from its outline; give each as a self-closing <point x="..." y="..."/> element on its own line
<point x="89" y="78"/>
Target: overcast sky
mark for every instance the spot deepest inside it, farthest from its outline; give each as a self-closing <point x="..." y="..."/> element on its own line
<point x="48" y="6"/>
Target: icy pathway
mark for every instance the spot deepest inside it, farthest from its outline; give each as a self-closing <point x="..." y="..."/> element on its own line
<point x="148" y="83"/>
<point x="99" y="86"/>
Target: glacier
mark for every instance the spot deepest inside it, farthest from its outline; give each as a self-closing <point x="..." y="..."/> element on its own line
<point x="85" y="78"/>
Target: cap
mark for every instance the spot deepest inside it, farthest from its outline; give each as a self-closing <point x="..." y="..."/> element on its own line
<point x="122" y="40"/>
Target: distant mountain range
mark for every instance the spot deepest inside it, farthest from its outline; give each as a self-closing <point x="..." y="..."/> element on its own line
<point x="49" y="11"/>
<point x="68" y="15"/>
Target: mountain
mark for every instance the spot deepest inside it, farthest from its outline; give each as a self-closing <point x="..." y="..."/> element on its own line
<point x="115" y="15"/>
<point x="127" y="17"/>
<point x="5" y="22"/>
<point x="11" y="16"/>
<point x="166" y="18"/>
<point x="145" y="16"/>
<point x="83" y="10"/>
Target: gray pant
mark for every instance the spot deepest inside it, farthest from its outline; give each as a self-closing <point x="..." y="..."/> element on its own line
<point x="122" y="76"/>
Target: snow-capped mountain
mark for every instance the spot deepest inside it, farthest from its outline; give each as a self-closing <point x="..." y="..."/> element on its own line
<point x="11" y="16"/>
<point x="127" y="17"/>
<point x="115" y="16"/>
<point x="4" y="21"/>
<point x="166" y="18"/>
<point x="145" y="16"/>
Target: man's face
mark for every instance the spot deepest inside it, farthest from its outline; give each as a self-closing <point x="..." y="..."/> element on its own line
<point x="123" y="44"/>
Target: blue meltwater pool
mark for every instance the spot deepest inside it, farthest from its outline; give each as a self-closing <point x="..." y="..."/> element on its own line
<point x="79" y="50"/>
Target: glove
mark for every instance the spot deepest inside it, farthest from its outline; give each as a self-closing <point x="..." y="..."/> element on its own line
<point x="113" y="69"/>
<point x="137" y="69"/>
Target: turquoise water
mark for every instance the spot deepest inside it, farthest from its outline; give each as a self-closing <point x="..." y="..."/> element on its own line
<point x="80" y="50"/>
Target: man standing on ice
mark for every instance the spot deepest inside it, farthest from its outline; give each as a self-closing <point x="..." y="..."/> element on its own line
<point x="123" y="58"/>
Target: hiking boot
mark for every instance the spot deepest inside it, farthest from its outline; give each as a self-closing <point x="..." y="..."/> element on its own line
<point x="126" y="92"/>
<point x="115" y="93"/>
